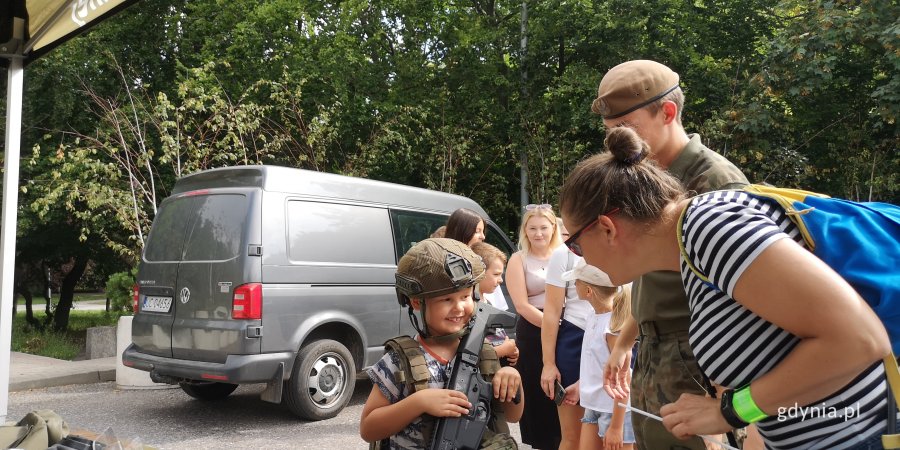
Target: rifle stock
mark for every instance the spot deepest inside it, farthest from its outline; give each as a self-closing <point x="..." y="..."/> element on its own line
<point x="465" y="432"/>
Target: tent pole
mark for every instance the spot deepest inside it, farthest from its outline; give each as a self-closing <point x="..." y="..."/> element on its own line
<point x="14" y="85"/>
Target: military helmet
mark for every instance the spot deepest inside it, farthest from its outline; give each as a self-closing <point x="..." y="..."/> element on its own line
<point x="436" y="267"/>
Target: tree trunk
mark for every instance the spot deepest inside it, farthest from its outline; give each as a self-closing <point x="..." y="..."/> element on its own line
<point x="67" y="294"/>
<point x="29" y="312"/>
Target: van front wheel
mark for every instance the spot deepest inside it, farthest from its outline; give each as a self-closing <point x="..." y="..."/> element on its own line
<point x="322" y="381"/>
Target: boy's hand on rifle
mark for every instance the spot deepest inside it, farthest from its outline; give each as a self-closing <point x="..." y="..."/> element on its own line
<point x="507" y="383"/>
<point x="443" y="402"/>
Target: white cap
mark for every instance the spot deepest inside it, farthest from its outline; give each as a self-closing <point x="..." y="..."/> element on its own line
<point x="588" y="274"/>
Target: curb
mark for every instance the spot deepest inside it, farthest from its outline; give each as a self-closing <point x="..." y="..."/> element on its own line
<point x="96" y="376"/>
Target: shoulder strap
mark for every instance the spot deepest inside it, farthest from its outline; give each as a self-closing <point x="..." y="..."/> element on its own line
<point x="787" y="199"/>
<point x="413" y="368"/>
<point x="570" y="264"/>
<point x="488" y="361"/>
<point x="679" y="231"/>
<point x="414" y="372"/>
<point x="489" y="364"/>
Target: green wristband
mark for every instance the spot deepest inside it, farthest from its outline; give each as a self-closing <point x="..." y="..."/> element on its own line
<point x="745" y="407"/>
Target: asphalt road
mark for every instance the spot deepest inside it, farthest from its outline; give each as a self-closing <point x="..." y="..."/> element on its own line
<point x="169" y="419"/>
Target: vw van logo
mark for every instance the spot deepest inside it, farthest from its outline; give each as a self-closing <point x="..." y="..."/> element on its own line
<point x="185" y="295"/>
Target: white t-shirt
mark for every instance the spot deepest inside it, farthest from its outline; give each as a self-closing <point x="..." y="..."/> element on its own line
<point x="577" y="310"/>
<point x="496" y="299"/>
<point x="594" y="353"/>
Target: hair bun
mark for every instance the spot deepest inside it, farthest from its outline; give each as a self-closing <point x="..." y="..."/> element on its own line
<point x="625" y="145"/>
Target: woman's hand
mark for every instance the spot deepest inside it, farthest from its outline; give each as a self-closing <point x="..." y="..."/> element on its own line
<point x="549" y="374"/>
<point x="616" y="379"/>
<point x="443" y="402"/>
<point x="694" y="415"/>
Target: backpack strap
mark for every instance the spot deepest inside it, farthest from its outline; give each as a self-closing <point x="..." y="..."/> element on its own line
<point x="679" y="231"/>
<point x="786" y="198"/>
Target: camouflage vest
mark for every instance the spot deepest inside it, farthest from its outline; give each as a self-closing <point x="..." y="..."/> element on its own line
<point x="414" y="373"/>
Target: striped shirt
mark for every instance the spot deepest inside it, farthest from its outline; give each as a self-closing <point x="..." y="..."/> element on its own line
<point x="724" y="232"/>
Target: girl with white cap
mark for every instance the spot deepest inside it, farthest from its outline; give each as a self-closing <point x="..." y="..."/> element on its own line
<point x="605" y="425"/>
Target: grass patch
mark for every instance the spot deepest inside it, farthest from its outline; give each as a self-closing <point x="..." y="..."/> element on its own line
<point x="62" y="345"/>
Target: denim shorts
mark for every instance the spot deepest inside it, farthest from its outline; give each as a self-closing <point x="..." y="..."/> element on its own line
<point x="603" y="419"/>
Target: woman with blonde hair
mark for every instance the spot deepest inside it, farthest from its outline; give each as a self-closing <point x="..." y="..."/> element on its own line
<point x="526" y="277"/>
<point x="562" y="332"/>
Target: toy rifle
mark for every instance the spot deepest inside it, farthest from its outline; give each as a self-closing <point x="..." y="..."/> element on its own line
<point x="465" y="432"/>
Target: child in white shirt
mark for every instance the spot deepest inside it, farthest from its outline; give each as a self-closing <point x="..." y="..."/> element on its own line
<point x="605" y="424"/>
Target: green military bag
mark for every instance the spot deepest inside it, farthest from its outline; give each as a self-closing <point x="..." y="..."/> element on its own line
<point x="36" y="431"/>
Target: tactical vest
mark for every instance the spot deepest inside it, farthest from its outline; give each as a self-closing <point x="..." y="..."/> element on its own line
<point x="414" y="373"/>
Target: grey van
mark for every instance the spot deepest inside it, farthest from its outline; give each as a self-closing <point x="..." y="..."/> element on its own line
<point x="264" y="274"/>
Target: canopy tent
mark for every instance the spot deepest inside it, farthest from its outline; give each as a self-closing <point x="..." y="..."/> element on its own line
<point x="28" y="30"/>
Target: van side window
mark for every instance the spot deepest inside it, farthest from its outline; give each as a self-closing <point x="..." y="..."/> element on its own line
<point x="493" y="236"/>
<point x="328" y="232"/>
<point x="411" y="227"/>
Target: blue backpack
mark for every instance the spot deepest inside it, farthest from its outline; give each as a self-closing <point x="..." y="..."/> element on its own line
<point x="860" y="241"/>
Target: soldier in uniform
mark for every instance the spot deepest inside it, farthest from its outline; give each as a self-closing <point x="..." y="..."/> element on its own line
<point x="646" y="96"/>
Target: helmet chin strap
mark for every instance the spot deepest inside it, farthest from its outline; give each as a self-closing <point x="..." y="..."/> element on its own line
<point x="424" y="330"/>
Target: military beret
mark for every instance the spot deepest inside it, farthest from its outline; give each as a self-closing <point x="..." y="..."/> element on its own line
<point x="631" y="86"/>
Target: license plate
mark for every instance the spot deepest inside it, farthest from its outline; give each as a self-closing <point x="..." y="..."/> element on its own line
<point x="156" y="304"/>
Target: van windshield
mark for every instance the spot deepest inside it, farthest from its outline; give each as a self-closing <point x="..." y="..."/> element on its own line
<point x="198" y="228"/>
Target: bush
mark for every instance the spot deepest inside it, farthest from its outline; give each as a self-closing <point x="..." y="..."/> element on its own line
<point x="119" y="289"/>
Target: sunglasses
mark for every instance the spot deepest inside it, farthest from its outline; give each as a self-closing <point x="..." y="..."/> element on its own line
<point x="572" y="241"/>
<point x="532" y="206"/>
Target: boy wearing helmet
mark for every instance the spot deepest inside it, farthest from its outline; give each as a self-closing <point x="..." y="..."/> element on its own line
<point x="436" y="279"/>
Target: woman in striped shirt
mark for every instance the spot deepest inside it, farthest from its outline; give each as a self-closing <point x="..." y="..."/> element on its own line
<point x="796" y="348"/>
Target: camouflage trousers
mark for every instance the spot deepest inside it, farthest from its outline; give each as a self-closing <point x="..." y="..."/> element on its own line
<point x="665" y="369"/>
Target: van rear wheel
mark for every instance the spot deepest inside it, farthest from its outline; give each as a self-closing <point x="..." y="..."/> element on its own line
<point x="208" y="390"/>
<point x="322" y="381"/>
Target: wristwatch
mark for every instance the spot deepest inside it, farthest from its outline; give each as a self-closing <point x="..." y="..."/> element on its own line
<point x="728" y="412"/>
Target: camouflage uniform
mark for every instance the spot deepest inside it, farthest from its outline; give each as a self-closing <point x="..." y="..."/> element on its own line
<point x="665" y="366"/>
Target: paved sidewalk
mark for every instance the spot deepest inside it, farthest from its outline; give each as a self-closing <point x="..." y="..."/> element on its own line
<point x="34" y="372"/>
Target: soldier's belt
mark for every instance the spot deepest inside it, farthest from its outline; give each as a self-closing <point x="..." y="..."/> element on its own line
<point x="664" y="327"/>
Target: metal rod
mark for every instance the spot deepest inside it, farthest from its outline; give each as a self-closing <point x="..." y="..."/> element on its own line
<point x="653" y="416"/>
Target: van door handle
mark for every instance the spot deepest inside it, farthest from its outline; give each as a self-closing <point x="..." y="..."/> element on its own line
<point x="254" y="250"/>
<point x="254" y="332"/>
